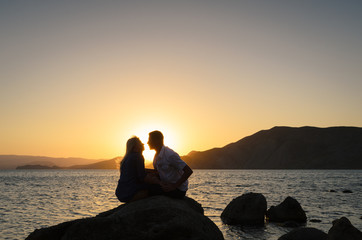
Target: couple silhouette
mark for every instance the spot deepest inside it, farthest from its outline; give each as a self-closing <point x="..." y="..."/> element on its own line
<point x="169" y="176"/>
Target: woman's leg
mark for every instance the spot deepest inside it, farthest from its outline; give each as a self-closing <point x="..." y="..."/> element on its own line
<point x="139" y="195"/>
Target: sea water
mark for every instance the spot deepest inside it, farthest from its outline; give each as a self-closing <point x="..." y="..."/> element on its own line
<point x="33" y="199"/>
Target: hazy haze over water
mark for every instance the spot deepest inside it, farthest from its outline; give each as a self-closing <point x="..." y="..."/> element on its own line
<point x="40" y="198"/>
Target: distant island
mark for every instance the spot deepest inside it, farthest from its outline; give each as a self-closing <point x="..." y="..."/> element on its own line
<point x="37" y="167"/>
<point x="107" y="164"/>
<point x="276" y="148"/>
<point x="13" y="161"/>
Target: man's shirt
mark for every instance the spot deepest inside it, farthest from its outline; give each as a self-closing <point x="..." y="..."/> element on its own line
<point x="170" y="167"/>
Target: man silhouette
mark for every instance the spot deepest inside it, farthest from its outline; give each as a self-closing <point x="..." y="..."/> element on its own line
<point x="173" y="171"/>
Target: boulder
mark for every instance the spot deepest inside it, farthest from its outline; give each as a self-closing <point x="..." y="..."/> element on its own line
<point x="290" y="224"/>
<point x="304" y="234"/>
<point x="157" y="217"/>
<point x="288" y="210"/>
<point x="248" y="209"/>
<point x="343" y="229"/>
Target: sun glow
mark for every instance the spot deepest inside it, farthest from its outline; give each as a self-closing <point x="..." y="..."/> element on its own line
<point x="142" y="133"/>
<point x="147" y="153"/>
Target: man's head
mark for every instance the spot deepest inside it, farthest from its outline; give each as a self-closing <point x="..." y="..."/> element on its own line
<point x="155" y="140"/>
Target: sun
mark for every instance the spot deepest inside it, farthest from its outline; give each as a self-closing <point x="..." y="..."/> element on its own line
<point x="148" y="154"/>
<point x="143" y="132"/>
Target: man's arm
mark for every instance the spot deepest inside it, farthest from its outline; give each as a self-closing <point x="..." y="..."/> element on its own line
<point x="152" y="176"/>
<point x="167" y="187"/>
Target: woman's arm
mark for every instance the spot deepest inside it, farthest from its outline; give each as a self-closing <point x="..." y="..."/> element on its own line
<point x="149" y="176"/>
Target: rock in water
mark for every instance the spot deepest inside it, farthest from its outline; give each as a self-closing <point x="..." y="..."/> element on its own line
<point x="248" y="209"/>
<point x="343" y="229"/>
<point x="347" y="191"/>
<point x="304" y="234"/>
<point x="288" y="210"/>
<point x="157" y="217"/>
<point x="290" y="224"/>
<point x="315" y="220"/>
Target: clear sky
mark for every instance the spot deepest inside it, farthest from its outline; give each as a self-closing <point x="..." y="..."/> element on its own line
<point x="78" y="78"/>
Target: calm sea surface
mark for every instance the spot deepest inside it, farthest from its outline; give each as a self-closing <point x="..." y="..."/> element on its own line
<point x="39" y="198"/>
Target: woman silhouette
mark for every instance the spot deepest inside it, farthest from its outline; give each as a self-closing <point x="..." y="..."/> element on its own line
<point x="131" y="184"/>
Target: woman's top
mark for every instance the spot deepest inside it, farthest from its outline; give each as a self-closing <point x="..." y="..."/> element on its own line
<point x="132" y="175"/>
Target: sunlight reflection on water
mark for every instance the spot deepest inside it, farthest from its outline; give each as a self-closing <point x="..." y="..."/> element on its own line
<point x="39" y="198"/>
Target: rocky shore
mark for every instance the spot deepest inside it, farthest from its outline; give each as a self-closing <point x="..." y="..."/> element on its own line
<point x="160" y="217"/>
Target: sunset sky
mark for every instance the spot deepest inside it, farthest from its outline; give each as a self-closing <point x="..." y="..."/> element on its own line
<point x="78" y="78"/>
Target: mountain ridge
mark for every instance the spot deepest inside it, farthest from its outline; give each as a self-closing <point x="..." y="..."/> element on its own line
<point x="280" y="147"/>
<point x="287" y="148"/>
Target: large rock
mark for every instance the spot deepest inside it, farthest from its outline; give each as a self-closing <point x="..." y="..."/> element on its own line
<point x="342" y="229"/>
<point x="288" y="210"/>
<point x="158" y="217"/>
<point x="248" y="209"/>
<point x="304" y="234"/>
